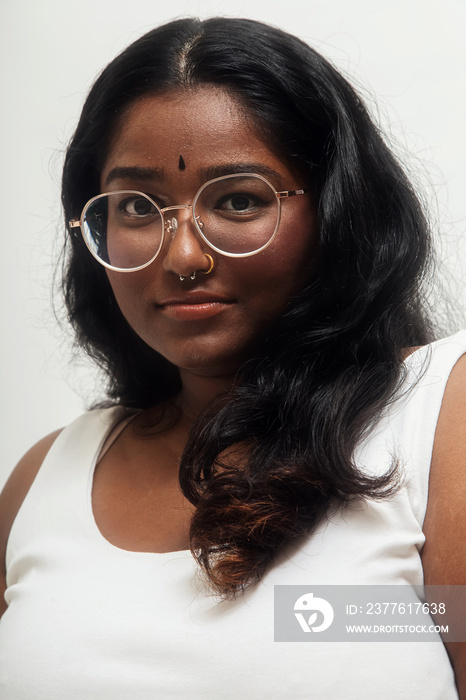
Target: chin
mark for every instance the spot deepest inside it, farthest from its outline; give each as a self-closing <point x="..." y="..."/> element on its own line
<point x="209" y="363"/>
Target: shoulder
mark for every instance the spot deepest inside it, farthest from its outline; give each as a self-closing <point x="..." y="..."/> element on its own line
<point x="87" y="431"/>
<point x="444" y="553"/>
<point x="433" y="382"/>
<point x="447" y="482"/>
<point x="15" y="491"/>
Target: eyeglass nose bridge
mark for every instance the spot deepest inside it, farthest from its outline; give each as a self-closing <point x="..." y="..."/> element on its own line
<point x="171" y="224"/>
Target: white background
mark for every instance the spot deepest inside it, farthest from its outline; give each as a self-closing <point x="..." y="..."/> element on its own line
<point x="411" y="54"/>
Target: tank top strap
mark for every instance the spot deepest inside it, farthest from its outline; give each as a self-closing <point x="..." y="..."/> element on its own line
<point x="414" y="420"/>
<point x="60" y="494"/>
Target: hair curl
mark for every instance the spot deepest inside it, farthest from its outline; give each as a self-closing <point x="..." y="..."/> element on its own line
<point x="265" y="466"/>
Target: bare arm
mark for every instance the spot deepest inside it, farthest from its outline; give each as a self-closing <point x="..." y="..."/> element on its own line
<point x="12" y="496"/>
<point x="444" y="554"/>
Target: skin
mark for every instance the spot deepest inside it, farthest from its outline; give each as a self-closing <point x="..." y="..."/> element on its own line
<point x="258" y="288"/>
<point x="443" y="555"/>
<point x="136" y="499"/>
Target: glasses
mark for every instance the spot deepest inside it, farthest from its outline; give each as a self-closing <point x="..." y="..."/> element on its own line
<point x="235" y="215"/>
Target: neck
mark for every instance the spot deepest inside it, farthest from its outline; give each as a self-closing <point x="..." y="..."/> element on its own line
<point x="198" y="391"/>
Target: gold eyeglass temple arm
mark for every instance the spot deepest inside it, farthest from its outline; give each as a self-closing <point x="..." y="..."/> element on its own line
<point x="74" y="223"/>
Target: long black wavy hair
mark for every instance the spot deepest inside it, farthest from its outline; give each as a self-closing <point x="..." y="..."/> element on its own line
<point x="264" y="466"/>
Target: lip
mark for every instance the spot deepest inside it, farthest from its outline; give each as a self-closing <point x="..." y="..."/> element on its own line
<point x="194" y="306"/>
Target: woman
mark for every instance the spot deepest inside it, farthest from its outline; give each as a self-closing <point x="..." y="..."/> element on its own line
<point x="246" y="261"/>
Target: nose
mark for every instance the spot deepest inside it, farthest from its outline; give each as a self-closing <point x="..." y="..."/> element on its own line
<point x="182" y="251"/>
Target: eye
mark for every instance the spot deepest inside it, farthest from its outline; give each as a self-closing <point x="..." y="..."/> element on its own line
<point x="240" y="203"/>
<point x="137" y="207"/>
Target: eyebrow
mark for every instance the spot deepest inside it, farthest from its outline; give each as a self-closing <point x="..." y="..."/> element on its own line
<point x="233" y="168"/>
<point x="134" y="172"/>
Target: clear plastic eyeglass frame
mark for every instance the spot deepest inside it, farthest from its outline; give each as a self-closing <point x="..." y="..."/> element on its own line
<point x="170" y="225"/>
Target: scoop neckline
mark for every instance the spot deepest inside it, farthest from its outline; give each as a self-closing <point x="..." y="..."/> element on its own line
<point x="186" y="554"/>
<point x="98" y="536"/>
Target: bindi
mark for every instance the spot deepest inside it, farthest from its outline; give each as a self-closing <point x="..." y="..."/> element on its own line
<point x="181" y="163"/>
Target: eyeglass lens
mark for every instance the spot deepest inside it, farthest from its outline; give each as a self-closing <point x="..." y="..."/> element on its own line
<point x="236" y="215"/>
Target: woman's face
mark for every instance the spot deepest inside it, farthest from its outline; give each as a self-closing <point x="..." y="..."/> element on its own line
<point x="209" y="325"/>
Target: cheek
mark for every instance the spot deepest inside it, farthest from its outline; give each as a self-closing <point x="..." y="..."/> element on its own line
<point x="128" y="293"/>
<point x="293" y="253"/>
<point x="269" y="279"/>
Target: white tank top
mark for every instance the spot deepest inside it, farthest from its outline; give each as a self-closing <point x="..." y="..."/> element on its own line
<point x="89" y="620"/>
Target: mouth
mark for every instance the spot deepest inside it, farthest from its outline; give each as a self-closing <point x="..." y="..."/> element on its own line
<point x="195" y="306"/>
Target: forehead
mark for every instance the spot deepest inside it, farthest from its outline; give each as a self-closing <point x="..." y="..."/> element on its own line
<point x="205" y="125"/>
<point x="202" y="106"/>
<point x="184" y="118"/>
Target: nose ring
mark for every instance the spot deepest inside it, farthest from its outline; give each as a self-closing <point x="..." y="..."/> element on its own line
<point x="204" y="272"/>
<point x="192" y="276"/>
<point x="211" y="264"/>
